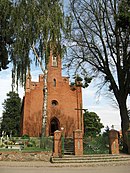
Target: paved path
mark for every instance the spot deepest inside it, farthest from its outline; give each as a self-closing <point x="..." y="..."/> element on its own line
<point x="99" y="169"/>
<point x="49" y="164"/>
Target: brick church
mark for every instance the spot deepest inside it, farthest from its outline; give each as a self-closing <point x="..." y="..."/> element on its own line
<point x="64" y="103"/>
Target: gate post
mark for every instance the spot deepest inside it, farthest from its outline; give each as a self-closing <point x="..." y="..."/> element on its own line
<point x="57" y="144"/>
<point x="113" y="142"/>
<point x="78" y="142"/>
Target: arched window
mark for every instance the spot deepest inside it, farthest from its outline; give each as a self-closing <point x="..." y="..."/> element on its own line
<point x="54" y="61"/>
<point x="54" y="82"/>
<point x="54" y="102"/>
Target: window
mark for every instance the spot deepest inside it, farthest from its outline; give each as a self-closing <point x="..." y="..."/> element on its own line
<point x="54" y="103"/>
<point x="54" y="82"/>
<point x="54" y="61"/>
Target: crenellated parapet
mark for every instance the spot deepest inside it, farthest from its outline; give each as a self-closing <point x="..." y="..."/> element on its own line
<point x="31" y="85"/>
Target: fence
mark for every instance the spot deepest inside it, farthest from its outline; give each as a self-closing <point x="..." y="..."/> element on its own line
<point x="97" y="145"/>
<point x="46" y="143"/>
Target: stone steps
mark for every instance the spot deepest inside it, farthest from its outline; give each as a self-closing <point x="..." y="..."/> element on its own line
<point x="68" y="146"/>
<point x="92" y="158"/>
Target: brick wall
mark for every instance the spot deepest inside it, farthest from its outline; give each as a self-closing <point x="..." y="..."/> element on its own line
<point x="19" y="156"/>
<point x="63" y="112"/>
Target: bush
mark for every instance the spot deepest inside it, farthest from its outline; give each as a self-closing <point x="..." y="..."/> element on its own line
<point x="25" y="136"/>
<point x="97" y="145"/>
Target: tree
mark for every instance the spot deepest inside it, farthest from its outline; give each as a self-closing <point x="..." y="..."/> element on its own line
<point x="129" y="115"/>
<point x="124" y="14"/>
<point x="97" y="39"/>
<point x="30" y="24"/>
<point x="6" y="32"/>
<point x="106" y="132"/>
<point x="37" y="27"/>
<point x="11" y="114"/>
<point x="92" y="124"/>
<point x="26" y="25"/>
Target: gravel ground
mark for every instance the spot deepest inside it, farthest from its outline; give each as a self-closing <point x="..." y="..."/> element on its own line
<point x="100" y="169"/>
<point x="48" y="164"/>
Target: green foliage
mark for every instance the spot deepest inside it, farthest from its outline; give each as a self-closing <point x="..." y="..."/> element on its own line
<point x="87" y="81"/>
<point x="6" y="32"/>
<point x="98" y="145"/>
<point x="28" y="23"/>
<point x="11" y="114"/>
<point x="32" y="149"/>
<point x="105" y="135"/>
<point x="78" y="78"/>
<point x="92" y="124"/>
<point x="46" y="143"/>
<point x="25" y="136"/>
<point x="106" y="132"/>
<point x="123" y="19"/>
<point x="82" y="81"/>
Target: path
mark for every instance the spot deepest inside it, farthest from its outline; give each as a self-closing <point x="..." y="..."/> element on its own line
<point x="99" y="169"/>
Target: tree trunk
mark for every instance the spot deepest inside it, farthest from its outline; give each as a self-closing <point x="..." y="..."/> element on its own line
<point x="44" y="117"/>
<point x="45" y="93"/>
<point x="124" y="123"/>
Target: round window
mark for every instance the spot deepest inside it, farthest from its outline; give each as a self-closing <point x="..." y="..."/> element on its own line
<point x="54" y="103"/>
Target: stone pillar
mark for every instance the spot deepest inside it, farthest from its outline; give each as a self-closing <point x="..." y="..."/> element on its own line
<point x="78" y="142"/>
<point x="57" y="144"/>
<point x="128" y="139"/>
<point x="113" y="142"/>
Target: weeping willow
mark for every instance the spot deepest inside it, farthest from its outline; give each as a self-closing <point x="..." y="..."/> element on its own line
<point x="25" y="23"/>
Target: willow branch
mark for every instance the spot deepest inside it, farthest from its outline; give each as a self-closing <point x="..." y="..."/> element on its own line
<point x="34" y="50"/>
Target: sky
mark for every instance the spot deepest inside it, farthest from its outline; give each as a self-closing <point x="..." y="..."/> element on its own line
<point x="103" y="106"/>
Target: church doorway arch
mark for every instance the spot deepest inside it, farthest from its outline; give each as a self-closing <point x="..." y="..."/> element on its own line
<point x="54" y="125"/>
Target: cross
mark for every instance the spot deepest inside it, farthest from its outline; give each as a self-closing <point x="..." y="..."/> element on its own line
<point x="82" y="109"/>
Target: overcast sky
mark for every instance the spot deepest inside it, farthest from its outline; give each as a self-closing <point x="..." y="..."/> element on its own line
<point x="108" y="114"/>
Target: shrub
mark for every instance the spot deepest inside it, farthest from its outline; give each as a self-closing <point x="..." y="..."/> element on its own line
<point x="25" y="136"/>
<point x="97" y="145"/>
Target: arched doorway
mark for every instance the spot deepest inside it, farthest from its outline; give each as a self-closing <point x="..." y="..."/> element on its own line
<point x="54" y="125"/>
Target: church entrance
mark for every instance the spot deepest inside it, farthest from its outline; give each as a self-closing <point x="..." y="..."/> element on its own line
<point x="54" y="125"/>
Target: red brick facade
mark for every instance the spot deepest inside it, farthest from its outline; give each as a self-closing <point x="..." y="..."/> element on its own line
<point x="62" y="102"/>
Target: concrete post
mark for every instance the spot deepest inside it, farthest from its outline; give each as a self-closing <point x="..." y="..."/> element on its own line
<point x="113" y="142"/>
<point x="78" y="142"/>
<point x="57" y="144"/>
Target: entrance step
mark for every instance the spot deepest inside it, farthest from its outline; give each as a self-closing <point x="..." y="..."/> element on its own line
<point x="103" y="158"/>
<point x="68" y="146"/>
